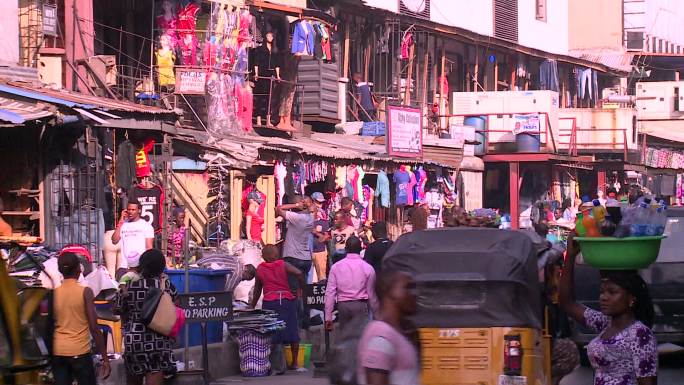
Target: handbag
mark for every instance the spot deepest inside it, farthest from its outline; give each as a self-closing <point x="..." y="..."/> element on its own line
<point x="160" y="314"/>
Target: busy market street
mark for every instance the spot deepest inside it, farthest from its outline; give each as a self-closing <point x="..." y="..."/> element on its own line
<point x="344" y="192"/>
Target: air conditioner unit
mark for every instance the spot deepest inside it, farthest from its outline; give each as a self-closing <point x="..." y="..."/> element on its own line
<point x="634" y="41"/>
<point x="499" y="109"/>
<point x="660" y="100"/>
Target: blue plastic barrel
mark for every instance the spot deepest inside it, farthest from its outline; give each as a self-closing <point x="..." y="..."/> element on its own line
<point x="527" y="142"/>
<point x="201" y="280"/>
<point x="480" y="124"/>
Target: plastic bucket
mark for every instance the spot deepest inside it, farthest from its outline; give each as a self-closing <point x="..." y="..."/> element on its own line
<point x="304" y="358"/>
<point x="480" y="124"/>
<point x="608" y="253"/>
<point x="527" y="142"/>
<point x="201" y="280"/>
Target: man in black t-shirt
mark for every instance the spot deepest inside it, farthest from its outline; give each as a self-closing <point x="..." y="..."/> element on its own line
<point x="376" y="251"/>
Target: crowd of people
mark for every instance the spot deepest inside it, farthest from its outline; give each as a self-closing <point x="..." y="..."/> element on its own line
<point x="347" y="255"/>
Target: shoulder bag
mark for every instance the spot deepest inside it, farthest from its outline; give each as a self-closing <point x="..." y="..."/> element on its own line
<point x="160" y="314"/>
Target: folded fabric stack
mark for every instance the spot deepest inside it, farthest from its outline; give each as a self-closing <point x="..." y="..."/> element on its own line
<point x="260" y="321"/>
<point x="25" y="264"/>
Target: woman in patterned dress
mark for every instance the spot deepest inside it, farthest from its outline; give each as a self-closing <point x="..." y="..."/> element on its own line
<point x="148" y="355"/>
<point x="625" y="351"/>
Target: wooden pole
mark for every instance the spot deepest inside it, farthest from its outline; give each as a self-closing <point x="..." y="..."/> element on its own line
<point x="514" y="185"/>
<point x="496" y="74"/>
<point x="514" y="70"/>
<point x="476" y="79"/>
<point x="426" y="59"/>
<point x="441" y="88"/>
<point x="345" y="69"/>
<point x="366" y="62"/>
<point x="409" y="76"/>
<point x="434" y="75"/>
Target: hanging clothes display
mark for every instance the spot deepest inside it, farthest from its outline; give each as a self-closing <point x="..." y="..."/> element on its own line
<point x="165" y="61"/>
<point x="221" y="106"/>
<point x="382" y="189"/>
<point x="167" y="22"/>
<point x="548" y="75"/>
<point x="280" y="172"/>
<point x="422" y="179"/>
<point x="143" y="167"/>
<point x="187" y="22"/>
<point x="266" y="67"/>
<point x="401" y="179"/>
<point x="406" y="43"/>
<point x="151" y="200"/>
<point x="435" y="202"/>
<point x="303" y="39"/>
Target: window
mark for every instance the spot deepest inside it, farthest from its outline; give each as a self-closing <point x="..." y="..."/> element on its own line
<point x="540" y="10"/>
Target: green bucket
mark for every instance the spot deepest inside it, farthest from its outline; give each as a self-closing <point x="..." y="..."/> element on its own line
<point x="609" y="253"/>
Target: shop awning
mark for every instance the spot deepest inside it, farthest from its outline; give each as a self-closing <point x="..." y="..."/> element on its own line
<point x="665" y="129"/>
<point x="102" y="111"/>
<point x="613" y="59"/>
<point x="16" y="112"/>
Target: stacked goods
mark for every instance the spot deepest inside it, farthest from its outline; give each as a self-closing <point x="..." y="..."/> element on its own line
<point x="457" y="217"/>
<point x="619" y="236"/>
<point x="646" y="219"/>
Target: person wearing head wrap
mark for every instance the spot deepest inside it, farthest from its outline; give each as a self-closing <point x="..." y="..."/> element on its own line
<point x="625" y="351"/>
<point x="148" y="355"/>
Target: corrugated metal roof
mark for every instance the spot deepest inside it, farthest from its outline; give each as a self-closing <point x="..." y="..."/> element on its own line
<point x="614" y="59"/>
<point x="244" y="149"/>
<point x="18" y="112"/>
<point x="73" y="99"/>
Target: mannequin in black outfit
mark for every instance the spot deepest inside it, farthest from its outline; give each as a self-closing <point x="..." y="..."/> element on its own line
<point x="266" y="65"/>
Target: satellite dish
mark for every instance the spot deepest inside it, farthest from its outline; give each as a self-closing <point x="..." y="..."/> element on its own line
<point x="415" y="6"/>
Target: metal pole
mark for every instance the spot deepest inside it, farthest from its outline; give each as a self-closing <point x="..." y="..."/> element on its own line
<point x="205" y="354"/>
<point x="186" y="289"/>
<point x="152" y="44"/>
<point x="270" y="93"/>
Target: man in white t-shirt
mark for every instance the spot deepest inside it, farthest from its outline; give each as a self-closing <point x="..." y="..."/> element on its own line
<point x="134" y="233"/>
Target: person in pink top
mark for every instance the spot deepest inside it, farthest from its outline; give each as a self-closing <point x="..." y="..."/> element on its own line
<point x="385" y="355"/>
<point x="351" y="284"/>
<point x="271" y="278"/>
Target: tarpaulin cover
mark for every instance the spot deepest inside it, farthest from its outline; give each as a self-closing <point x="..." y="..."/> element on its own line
<point x="471" y="277"/>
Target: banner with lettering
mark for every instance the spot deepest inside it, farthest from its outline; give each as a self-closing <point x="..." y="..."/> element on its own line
<point x="404" y="132"/>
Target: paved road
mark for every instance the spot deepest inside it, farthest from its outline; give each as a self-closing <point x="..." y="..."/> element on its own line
<point x="670" y="373"/>
<point x="290" y="378"/>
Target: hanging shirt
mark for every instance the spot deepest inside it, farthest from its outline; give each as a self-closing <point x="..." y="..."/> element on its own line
<point x="280" y="171"/>
<point x="151" y="204"/>
<point x="143" y="166"/>
<point x="406" y="42"/>
<point x="401" y="180"/>
<point x="303" y="39"/>
<point x="165" y="61"/>
<point x="412" y="182"/>
<point x="382" y="189"/>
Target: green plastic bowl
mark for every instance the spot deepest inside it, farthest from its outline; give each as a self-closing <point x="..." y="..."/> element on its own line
<point x="609" y="253"/>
